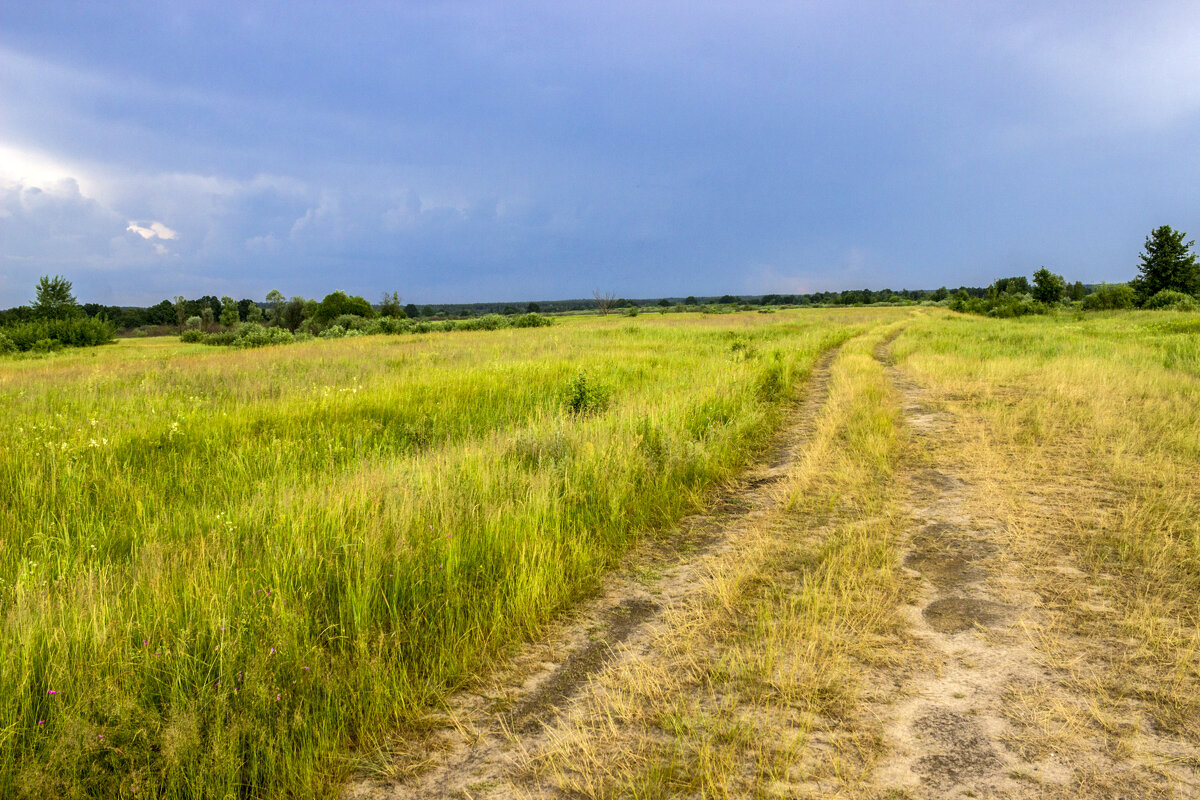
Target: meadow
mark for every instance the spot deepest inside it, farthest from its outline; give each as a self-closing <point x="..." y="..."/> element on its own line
<point x="223" y="573"/>
<point x="230" y="574"/>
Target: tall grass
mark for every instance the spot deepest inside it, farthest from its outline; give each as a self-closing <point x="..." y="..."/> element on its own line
<point x="223" y="572"/>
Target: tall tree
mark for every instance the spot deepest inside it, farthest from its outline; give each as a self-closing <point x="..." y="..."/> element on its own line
<point x="54" y="299"/>
<point x="390" y="306"/>
<point x="1047" y="286"/>
<point x="275" y="298"/>
<point x="229" y="312"/>
<point x="1167" y="263"/>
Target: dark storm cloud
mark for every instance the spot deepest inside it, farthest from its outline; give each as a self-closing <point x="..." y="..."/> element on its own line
<point x="462" y="151"/>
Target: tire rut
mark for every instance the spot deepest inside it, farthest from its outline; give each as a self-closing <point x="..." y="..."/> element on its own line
<point x="482" y="733"/>
<point x="946" y="739"/>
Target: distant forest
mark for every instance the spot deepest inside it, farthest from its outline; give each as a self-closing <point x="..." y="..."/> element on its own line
<point x="168" y="312"/>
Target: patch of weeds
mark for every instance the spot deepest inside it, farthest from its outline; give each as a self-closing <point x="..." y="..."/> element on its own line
<point x="583" y="395"/>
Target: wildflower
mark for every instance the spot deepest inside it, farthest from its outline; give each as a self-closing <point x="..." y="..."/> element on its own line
<point x="51" y="691"/>
<point x="41" y="722"/>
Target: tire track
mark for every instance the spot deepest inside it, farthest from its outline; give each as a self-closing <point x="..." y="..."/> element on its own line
<point x="947" y="738"/>
<point x="483" y="733"/>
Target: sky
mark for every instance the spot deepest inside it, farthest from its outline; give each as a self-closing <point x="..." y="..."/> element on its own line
<point x="543" y="149"/>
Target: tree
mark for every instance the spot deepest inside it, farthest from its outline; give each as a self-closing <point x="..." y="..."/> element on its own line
<point x="1167" y="263"/>
<point x="229" y="311"/>
<point x="603" y="301"/>
<point x="390" y="306"/>
<point x="290" y="314"/>
<point x="337" y="303"/>
<point x="275" y="298"/>
<point x="181" y="311"/>
<point x="54" y="299"/>
<point x="532" y="308"/>
<point x="1076" y="292"/>
<point x="1017" y="285"/>
<point x="1047" y="286"/>
<point x="690" y="300"/>
<point x="1110" y="296"/>
<point x="411" y="311"/>
<point x="206" y="317"/>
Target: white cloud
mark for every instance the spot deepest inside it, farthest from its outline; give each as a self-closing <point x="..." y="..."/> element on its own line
<point x="155" y="230"/>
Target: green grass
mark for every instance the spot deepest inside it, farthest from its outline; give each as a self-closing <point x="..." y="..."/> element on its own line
<point x="222" y="573"/>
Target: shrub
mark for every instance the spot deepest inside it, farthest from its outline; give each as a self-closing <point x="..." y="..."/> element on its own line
<point x="389" y="325"/>
<point x="1168" y="298"/>
<point x="192" y="335"/>
<point x="488" y="322"/>
<point x="254" y="335"/>
<point x="46" y="346"/>
<point x="531" y="320"/>
<point x="584" y="396"/>
<point x="1109" y="296"/>
<point x="193" y="323"/>
<point x="349" y="322"/>
<point x="6" y="344"/>
<point x="333" y="332"/>
<point x="72" y="332"/>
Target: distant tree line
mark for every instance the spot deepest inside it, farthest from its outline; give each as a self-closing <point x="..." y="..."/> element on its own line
<point x="1168" y="277"/>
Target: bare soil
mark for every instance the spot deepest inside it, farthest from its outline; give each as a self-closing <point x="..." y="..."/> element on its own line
<point x="996" y="715"/>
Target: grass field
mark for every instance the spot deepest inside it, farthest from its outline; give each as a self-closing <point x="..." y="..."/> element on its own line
<point x="226" y="574"/>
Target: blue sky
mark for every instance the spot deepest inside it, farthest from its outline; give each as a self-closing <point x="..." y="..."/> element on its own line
<point x="463" y="151"/>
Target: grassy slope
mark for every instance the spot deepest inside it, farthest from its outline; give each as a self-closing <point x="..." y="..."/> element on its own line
<point x="222" y="571"/>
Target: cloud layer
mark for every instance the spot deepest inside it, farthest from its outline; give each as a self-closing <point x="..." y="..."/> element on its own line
<point x="466" y="151"/>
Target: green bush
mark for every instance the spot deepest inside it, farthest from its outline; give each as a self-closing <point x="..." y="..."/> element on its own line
<point x="46" y="346"/>
<point x="531" y="320"/>
<point x="252" y="334"/>
<point x="488" y="322"/>
<point x="1168" y="298"/>
<point x="192" y="335"/>
<point x="1004" y="305"/>
<point x="72" y="332"/>
<point x="6" y="344"/>
<point x="350" y="322"/>
<point x="389" y="325"/>
<point x="333" y="332"/>
<point x="1110" y="296"/>
<point x="584" y="396"/>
